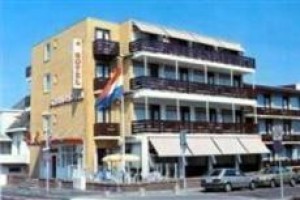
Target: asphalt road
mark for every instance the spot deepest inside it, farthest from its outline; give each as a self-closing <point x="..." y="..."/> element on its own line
<point x="38" y="194"/>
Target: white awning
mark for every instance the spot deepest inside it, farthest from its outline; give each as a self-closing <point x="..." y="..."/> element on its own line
<point x="174" y="33"/>
<point x="254" y="145"/>
<point x="202" y="146"/>
<point x="229" y="145"/>
<point x="4" y="138"/>
<point x="167" y="146"/>
<point x="209" y="145"/>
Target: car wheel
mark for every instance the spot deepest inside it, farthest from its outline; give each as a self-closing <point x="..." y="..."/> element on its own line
<point x="272" y="184"/>
<point x="252" y="186"/>
<point x="293" y="182"/>
<point x="228" y="187"/>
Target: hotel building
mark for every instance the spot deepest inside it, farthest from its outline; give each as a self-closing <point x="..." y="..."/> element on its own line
<point x="174" y="81"/>
<point x="280" y="107"/>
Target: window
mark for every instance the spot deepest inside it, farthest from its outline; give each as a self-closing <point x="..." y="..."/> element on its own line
<point x="139" y="111"/>
<point x="102" y="34"/>
<point x="200" y="114"/>
<point x="69" y="156"/>
<point x="102" y="70"/>
<point x="47" y="82"/>
<point x="138" y="69"/>
<point x="198" y="76"/>
<point x="170" y="72"/>
<point x="269" y="126"/>
<point x="47" y="52"/>
<point x="47" y="124"/>
<point x="5" y="148"/>
<point x="103" y="116"/>
<point x="171" y="113"/>
<point x="285" y="103"/>
<point x="230" y="172"/>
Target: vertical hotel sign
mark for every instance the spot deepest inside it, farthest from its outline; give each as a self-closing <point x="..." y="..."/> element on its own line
<point x="77" y="63"/>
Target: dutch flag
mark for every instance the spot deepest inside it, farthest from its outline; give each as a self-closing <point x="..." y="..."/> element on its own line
<point x="112" y="91"/>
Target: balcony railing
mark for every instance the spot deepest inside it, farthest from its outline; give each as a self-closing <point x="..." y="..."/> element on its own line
<point x="286" y="138"/>
<point x="170" y="126"/>
<point x="99" y="83"/>
<point x="278" y="111"/>
<point x="105" y="49"/>
<point x="286" y="163"/>
<point x="191" y="52"/>
<point x="190" y="87"/>
<point x="106" y="129"/>
<point x="28" y="72"/>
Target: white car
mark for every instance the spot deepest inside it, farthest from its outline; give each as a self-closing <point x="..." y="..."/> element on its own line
<point x="227" y="179"/>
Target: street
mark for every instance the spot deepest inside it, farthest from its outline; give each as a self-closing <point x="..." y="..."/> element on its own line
<point x="36" y="194"/>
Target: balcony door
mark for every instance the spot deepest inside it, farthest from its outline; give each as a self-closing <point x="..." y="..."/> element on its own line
<point x="287" y="127"/>
<point x="154" y="70"/>
<point x="212" y="115"/>
<point x="285" y="103"/>
<point x="267" y="101"/>
<point x="269" y="126"/>
<point x="185" y="114"/>
<point x="102" y="70"/>
<point x="237" y="81"/>
<point x="184" y="74"/>
<point x="102" y="34"/>
<point x="154" y="112"/>
<point x="211" y="78"/>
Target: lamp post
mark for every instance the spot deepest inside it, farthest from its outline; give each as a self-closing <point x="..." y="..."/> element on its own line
<point x="277" y="146"/>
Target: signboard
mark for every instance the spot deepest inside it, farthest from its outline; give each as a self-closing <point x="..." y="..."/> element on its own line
<point x="68" y="98"/>
<point x="77" y="63"/>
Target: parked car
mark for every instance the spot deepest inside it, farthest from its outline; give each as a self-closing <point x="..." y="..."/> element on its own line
<point x="227" y="179"/>
<point x="296" y="170"/>
<point x="271" y="177"/>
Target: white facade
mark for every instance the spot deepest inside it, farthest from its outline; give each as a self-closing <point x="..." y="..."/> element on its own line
<point x="14" y="154"/>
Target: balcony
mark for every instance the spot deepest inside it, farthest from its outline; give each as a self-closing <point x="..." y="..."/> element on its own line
<point x="170" y="126"/>
<point x="106" y="129"/>
<point x="99" y="83"/>
<point x="189" y="87"/>
<point x="277" y="111"/>
<point x="28" y="72"/>
<point x="285" y="138"/>
<point x="191" y="52"/>
<point x="105" y="49"/>
<point x="286" y="163"/>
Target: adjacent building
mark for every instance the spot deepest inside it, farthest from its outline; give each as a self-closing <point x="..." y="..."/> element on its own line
<point x="14" y="128"/>
<point x="174" y="81"/>
<point x="279" y="108"/>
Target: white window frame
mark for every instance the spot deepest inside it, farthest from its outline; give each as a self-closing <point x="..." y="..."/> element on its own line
<point x="47" y="52"/>
<point x="47" y="82"/>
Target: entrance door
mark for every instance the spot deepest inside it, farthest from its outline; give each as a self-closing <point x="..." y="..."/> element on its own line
<point x="53" y="167"/>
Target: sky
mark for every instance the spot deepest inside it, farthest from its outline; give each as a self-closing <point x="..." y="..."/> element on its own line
<point x="268" y="30"/>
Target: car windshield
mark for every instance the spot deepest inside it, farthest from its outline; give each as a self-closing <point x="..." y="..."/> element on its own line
<point x="215" y="172"/>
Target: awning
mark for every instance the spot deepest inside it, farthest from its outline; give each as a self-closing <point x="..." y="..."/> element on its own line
<point x="254" y="145"/>
<point x="167" y="146"/>
<point x="209" y="145"/>
<point x="203" y="146"/>
<point x="194" y="37"/>
<point x="229" y="145"/>
<point x="4" y="138"/>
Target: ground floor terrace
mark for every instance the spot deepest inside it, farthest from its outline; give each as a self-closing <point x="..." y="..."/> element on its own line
<point x="157" y="153"/>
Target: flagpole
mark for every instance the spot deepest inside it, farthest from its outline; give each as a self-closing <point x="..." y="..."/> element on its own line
<point x="123" y="143"/>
